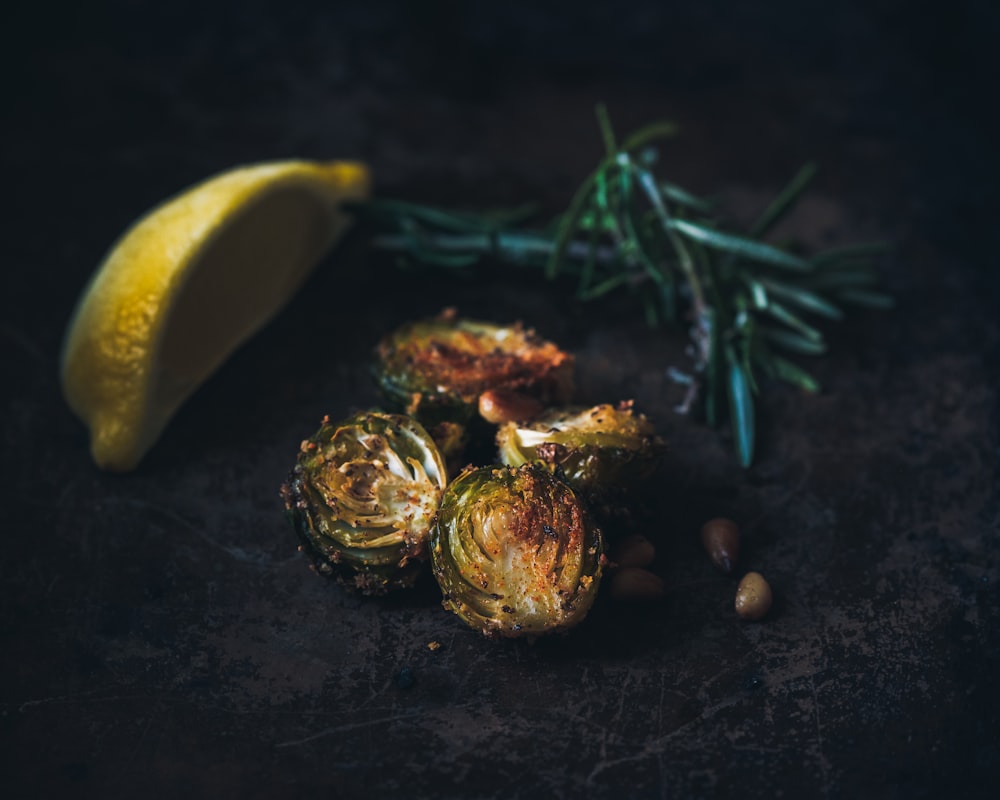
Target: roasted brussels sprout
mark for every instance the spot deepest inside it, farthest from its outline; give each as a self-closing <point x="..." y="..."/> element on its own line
<point x="515" y="552"/>
<point x="363" y="496"/>
<point x="436" y="369"/>
<point x="594" y="449"/>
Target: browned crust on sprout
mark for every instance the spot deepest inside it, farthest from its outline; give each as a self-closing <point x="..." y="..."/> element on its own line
<point x="466" y="363"/>
<point x="515" y="552"/>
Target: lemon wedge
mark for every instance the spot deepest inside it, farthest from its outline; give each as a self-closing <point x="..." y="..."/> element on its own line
<point x="189" y="282"/>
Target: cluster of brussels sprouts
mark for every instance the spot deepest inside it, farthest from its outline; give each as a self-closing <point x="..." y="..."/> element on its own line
<point x="513" y="544"/>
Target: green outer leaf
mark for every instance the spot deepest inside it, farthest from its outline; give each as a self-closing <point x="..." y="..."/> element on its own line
<point x="741" y="411"/>
<point x="740" y="246"/>
<point x="784" y="202"/>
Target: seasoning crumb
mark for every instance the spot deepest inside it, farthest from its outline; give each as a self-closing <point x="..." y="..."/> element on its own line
<point x="433" y="646"/>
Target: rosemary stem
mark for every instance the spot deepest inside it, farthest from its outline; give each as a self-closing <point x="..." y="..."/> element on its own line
<point x="509" y="245"/>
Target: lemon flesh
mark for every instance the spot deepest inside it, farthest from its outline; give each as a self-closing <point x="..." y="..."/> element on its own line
<point x="186" y="285"/>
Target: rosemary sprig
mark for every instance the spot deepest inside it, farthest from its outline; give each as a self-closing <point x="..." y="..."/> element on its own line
<point x="745" y="301"/>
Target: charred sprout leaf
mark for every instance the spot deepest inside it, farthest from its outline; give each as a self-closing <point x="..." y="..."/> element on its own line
<point x="627" y="229"/>
<point x="436" y="369"/>
<point x="515" y="553"/>
<point x="363" y="495"/>
<point x="593" y="449"/>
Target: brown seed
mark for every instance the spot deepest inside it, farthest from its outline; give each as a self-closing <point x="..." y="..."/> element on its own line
<point x="635" y="583"/>
<point x="721" y="539"/>
<point x="633" y="551"/>
<point x="753" y="596"/>
<point x="498" y="406"/>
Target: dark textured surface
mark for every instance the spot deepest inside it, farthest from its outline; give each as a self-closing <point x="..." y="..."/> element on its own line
<point x="159" y="634"/>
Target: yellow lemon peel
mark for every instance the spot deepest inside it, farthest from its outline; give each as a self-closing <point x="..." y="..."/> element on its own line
<point x="186" y="285"/>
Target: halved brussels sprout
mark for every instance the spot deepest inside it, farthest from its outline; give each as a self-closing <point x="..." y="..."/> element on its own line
<point x="515" y="552"/>
<point x="436" y="369"/>
<point x="594" y="449"/>
<point x="363" y="496"/>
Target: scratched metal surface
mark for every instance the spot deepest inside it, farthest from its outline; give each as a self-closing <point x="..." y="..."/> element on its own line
<point x="160" y="634"/>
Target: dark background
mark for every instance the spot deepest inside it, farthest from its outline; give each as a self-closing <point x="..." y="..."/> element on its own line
<point x="159" y="634"/>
